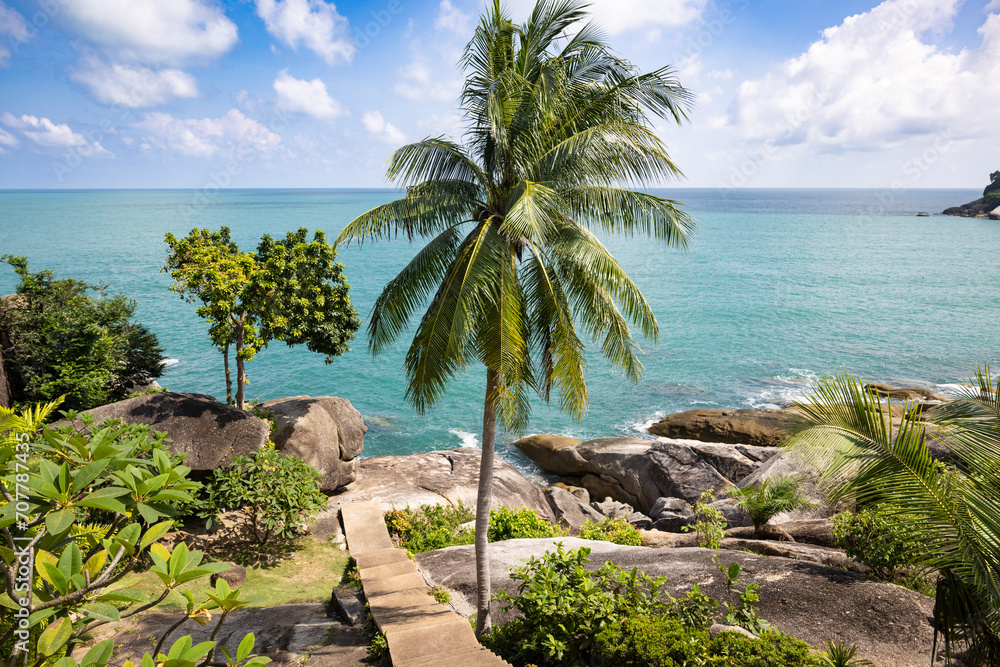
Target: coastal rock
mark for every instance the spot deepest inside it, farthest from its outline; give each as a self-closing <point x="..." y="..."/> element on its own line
<point x="818" y="532"/>
<point x="577" y="491"/>
<point x="326" y="432"/>
<point x="612" y="508"/>
<point x="554" y="453"/>
<point x="669" y="506"/>
<point x="670" y="522"/>
<point x="432" y="478"/>
<point x="764" y="428"/>
<point x="209" y="432"/>
<point x="570" y="510"/>
<point x="888" y="624"/>
<point x="905" y="393"/>
<point x="735" y="515"/>
<point x="995" y="214"/>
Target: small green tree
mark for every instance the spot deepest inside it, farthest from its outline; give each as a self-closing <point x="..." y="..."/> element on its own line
<point x="61" y="341"/>
<point x="290" y="290"/>
<point x="771" y="497"/>
<point x="709" y="522"/>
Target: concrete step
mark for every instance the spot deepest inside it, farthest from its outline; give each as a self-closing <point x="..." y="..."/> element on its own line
<point x="385" y="571"/>
<point x="458" y="658"/>
<point x="365" y="528"/>
<point x="407" y="643"/>
<point x="400" y="582"/>
<point x="379" y="557"/>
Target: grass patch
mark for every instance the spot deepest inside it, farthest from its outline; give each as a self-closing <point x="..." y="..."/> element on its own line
<point x="306" y="575"/>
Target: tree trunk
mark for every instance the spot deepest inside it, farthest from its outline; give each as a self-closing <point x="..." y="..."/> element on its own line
<point x="229" y="379"/>
<point x="241" y="375"/>
<point x="483" y="501"/>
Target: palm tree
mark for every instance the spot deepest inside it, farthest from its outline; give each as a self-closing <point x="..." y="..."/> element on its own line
<point x="952" y="506"/>
<point x="770" y="498"/>
<point x="512" y="266"/>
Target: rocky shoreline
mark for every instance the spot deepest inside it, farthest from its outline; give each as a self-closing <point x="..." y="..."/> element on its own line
<point x="986" y="207"/>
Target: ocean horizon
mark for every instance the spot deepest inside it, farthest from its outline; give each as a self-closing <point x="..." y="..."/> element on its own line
<point x="778" y="287"/>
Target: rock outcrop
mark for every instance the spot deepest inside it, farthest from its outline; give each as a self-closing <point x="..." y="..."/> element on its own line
<point x="570" y="510"/>
<point x="432" y="478"/>
<point x="765" y="428"/>
<point x="209" y="432"/>
<point x="326" y="432"/>
<point x="905" y="393"/>
<point x="888" y="624"/>
<point x="639" y="472"/>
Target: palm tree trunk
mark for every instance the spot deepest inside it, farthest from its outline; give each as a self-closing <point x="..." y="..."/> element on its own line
<point x="483" y="502"/>
<point x="229" y="379"/>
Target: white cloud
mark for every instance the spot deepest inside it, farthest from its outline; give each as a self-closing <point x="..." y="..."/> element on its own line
<point x="8" y="139"/>
<point x="313" y="23"/>
<point x="308" y="97"/>
<point x="380" y="128"/>
<point x="618" y="16"/>
<point x="154" y="31"/>
<point x="132" y="86"/>
<point x="206" y="137"/>
<point x="874" y="82"/>
<point x="12" y="26"/>
<point x="43" y="132"/>
<point x="453" y="19"/>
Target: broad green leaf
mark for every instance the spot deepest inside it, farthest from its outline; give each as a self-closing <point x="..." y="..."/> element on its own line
<point x="123" y="595"/>
<point x="106" y="504"/>
<point x="102" y="611"/>
<point x="51" y="574"/>
<point x="70" y="561"/>
<point x="87" y="474"/>
<point x="245" y="648"/>
<point x="95" y="563"/>
<point x="154" y="533"/>
<point x="59" y="522"/>
<point x="99" y="654"/>
<point x="54" y="636"/>
<point x="149" y="513"/>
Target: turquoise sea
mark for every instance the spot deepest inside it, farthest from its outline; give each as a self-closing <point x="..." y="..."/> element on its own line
<point x="778" y="288"/>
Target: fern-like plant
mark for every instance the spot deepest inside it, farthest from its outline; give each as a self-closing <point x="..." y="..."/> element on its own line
<point x="770" y="498"/>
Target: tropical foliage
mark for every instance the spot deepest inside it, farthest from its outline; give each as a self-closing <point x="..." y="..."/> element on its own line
<point x="59" y="340"/>
<point x="512" y="273"/>
<point x="952" y="506"/>
<point x="770" y="498"/>
<point x="63" y="577"/>
<point x="709" y="522"/>
<point x="291" y="290"/>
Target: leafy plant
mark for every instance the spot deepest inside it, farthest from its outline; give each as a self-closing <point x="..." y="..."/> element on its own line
<point x="846" y="431"/>
<point x="440" y="594"/>
<point x="771" y="497"/>
<point x="509" y="265"/>
<point x="563" y="606"/>
<point x="521" y="523"/>
<point x="710" y="524"/>
<point x="741" y="609"/>
<point x="289" y="290"/>
<point x="878" y="537"/>
<point x="839" y="655"/>
<point x="274" y="493"/>
<point x="63" y="577"/>
<point x="643" y="641"/>
<point x="616" y="530"/>
<point x="65" y="342"/>
<point x="430" y="527"/>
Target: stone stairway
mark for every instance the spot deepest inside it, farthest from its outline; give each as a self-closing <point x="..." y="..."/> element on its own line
<point x="420" y="631"/>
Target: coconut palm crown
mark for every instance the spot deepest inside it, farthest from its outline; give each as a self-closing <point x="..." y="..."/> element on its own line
<point x="558" y="129"/>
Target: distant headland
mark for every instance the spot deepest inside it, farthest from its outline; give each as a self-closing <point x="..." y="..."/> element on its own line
<point x="987" y="207"/>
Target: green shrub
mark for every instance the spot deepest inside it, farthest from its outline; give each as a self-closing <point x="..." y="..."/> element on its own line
<point x="710" y="523"/>
<point x="616" y="530"/>
<point x="274" y="493"/>
<point x="840" y="655"/>
<point x="65" y="342"/>
<point x="564" y="606"/>
<point x="522" y="523"/>
<point x="663" y="642"/>
<point x="430" y="527"/>
<point x="877" y="538"/>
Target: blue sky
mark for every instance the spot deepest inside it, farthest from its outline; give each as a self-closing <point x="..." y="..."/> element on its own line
<point x="311" y="93"/>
